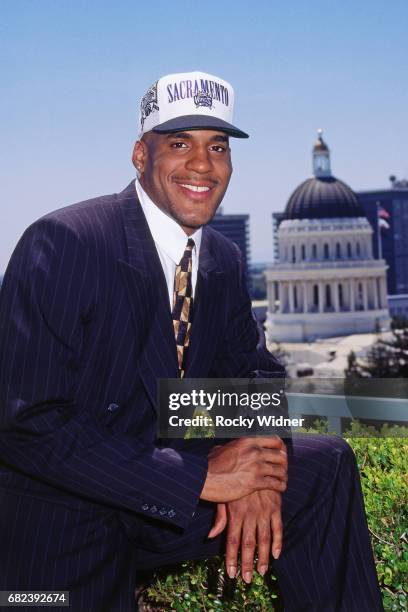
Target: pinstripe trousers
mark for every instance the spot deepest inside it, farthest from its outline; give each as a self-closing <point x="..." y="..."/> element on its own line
<point x="326" y="564"/>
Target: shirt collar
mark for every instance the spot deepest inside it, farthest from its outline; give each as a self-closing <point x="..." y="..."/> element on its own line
<point x="167" y="233"/>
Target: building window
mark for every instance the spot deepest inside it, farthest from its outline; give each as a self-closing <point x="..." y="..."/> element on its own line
<point x="303" y="252"/>
<point x="328" y="297"/>
<point x="314" y="251"/>
<point x="338" y="250"/>
<point x="326" y="251"/>
<point x="358" y="249"/>
<point x="293" y="254"/>
<point x="295" y="297"/>
<point x="315" y="295"/>
<point x="341" y="296"/>
<point x="349" y="250"/>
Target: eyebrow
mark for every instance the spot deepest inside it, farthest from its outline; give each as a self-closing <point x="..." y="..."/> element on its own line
<point x="187" y="136"/>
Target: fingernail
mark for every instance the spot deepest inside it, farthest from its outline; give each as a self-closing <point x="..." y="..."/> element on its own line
<point x="276" y="553"/>
<point x="263" y="569"/>
<point x="231" y="571"/>
<point x="247" y="576"/>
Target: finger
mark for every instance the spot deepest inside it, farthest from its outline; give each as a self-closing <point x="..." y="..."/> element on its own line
<point x="272" y="483"/>
<point x="220" y="521"/>
<point x="248" y="545"/>
<point x="263" y="535"/>
<point x="232" y="545"/>
<point x="276" y="471"/>
<point x="277" y="533"/>
<point x="268" y="442"/>
<point x="274" y="455"/>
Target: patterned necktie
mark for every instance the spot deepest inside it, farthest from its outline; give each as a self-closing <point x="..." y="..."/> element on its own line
<point x="183" y="305"/>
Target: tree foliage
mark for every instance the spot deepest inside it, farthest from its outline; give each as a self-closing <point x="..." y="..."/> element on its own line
<point x="385" y="359"/>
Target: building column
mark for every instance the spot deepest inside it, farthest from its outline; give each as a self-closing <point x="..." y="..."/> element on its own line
<point x="352" y="301"/>
<point x="335" y="295"/>
<point x="384" y="299"/>
<point x="291" y="298"/>
<point x="321" y="296"/>
<point x="272" y="296"/>
<point x="305" y="300"/>
<point x="375" y="293"/>
<point x="365" y="296"/>
<point x="281" y="297"/>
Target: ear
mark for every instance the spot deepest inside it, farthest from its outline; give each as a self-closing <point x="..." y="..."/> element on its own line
<point x="139" y="156"/>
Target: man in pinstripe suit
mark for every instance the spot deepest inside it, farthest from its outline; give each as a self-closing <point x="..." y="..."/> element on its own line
<point x="88" y="495"/>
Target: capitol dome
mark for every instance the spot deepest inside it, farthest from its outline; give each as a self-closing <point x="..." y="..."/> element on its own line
<point x="322" y="196"/>
<point x="325" y="281"/>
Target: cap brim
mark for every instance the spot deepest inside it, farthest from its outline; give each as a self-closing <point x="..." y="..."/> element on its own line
<point x="198" y="122"/>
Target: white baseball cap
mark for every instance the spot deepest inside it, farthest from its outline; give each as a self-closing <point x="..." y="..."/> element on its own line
<point x="188" y="101"/>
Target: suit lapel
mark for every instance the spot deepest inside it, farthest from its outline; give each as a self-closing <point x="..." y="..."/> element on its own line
<point x="208" y="296"/>
<point x="146" y="287"/>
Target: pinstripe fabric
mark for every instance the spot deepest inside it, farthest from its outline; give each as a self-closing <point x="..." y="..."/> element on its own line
<point x="85" y="333"/>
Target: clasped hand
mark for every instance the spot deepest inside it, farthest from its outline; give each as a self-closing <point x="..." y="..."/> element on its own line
<point x="247" y="478"/>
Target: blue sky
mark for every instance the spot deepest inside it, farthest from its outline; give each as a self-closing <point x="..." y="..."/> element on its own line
<point x="73" y="72"/>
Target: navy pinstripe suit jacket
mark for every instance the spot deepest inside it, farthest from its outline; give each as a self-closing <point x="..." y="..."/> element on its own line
<point x="85" y="333"/>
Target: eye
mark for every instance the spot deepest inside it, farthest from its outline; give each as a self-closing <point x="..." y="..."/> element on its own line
<point x="178" y="145"/>
<point x="219" y="148"/>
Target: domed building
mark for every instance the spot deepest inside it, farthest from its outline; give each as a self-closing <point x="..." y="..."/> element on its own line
<point x="326" y="282"/>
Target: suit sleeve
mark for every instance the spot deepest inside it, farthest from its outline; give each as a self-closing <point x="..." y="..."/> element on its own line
<point x="46" y="304"/>
<point x="242" y="353"/>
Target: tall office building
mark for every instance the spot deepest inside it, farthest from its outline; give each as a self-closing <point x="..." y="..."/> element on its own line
<point x="236" y="228"/>
<point x="393" y="204"/>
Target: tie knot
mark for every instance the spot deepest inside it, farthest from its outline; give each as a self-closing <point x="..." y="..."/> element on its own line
<point x="190" y="244"/>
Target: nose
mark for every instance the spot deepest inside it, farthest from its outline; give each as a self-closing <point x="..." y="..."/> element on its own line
<point x="199" y="160"/>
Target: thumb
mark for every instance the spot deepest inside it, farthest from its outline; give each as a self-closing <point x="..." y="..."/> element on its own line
<point x="220" y="521"/>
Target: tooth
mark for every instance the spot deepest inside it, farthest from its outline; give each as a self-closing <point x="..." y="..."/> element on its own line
<point x="196" y="188"/>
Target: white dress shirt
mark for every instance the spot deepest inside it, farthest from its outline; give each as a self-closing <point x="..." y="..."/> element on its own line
<point x="170" y="240"/>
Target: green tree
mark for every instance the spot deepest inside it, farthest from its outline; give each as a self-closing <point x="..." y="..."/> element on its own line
<point x="385" y="359"/>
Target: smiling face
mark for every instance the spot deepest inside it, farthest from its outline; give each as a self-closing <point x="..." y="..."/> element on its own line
<point x="185" y="174"/>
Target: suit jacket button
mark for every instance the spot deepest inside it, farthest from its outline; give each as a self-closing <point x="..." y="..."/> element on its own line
<point x="145" y="507"/>
<point x="162" y="511"/>
<point x="171" y="514"/>
<point x="153" y="509"/>
<point x="113" y="407"/>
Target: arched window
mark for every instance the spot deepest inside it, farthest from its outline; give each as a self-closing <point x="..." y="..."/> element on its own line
<point x="338" y="250"/>
<point x="314" y="251"/>
<point x="326" y="254"/>
<point x="303" y="252"/>
<point x="349" y="250"/>
<point x="293" y="254"/>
